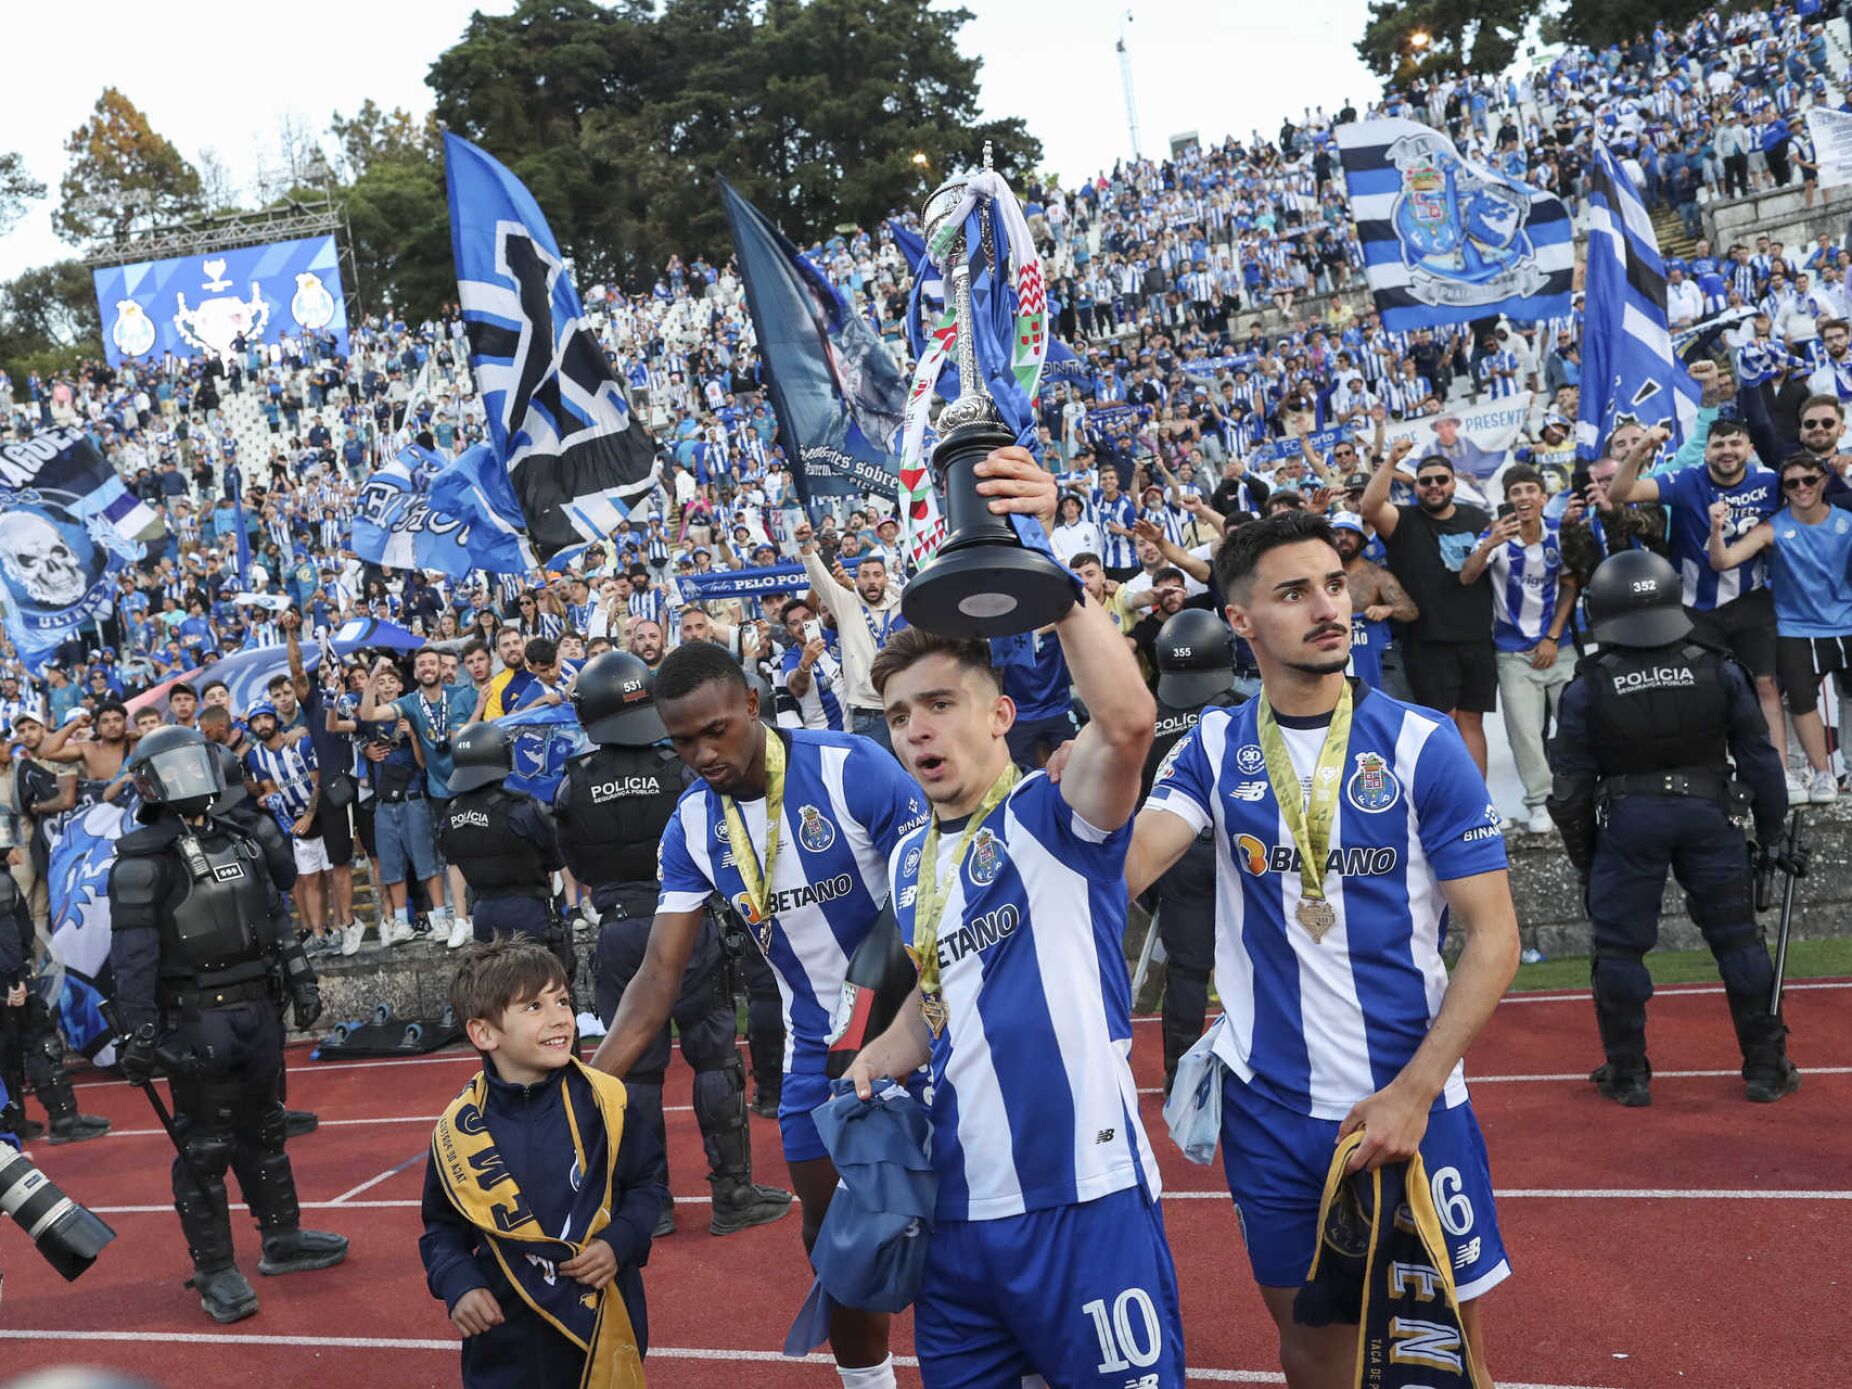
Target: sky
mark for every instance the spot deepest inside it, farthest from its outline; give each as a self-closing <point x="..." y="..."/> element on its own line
<point x="211" y="76"/>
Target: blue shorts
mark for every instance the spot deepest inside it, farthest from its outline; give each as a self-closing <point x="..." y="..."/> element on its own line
<point x="797" y="1097"/>
<point x="1085" y="1296"/>
<point x="1276" y="1161"/>
<point x="402" y="834"/>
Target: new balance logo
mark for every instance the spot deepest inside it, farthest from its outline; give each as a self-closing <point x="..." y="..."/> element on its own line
<point x="1104" y="1136"/>
<point x="1249" y="790"/>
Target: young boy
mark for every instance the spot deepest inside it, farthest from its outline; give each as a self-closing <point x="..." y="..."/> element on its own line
<point x="538" y="1206"/>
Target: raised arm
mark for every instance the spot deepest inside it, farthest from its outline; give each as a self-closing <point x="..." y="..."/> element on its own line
<point x="1375" y="505"/>
<point x="1627" y="485"/>
<point x="1102" y="780"/>
<point x="1728" y="555"/>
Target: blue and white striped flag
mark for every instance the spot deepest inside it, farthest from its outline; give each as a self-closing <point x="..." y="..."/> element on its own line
<point x="1629" y="374"/>
<point x="1449" y="240"/>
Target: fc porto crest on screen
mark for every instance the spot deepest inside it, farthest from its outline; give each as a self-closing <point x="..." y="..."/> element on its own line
<point x="1462" y="228"/>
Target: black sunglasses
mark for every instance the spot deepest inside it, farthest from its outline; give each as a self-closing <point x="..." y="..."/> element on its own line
<point x="1794" y="484"/>
<point x="1824" y="422"/>
<point x="1434" y="480"/>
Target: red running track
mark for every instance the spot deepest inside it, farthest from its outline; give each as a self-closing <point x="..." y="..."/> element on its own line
<point x="1700" y="1242"/>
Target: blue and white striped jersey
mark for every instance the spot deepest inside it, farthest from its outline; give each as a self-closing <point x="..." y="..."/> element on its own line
<point x="1523" y="579"/>
<point x="1317" y="1026"/>
<point x="846" y="804"/>
<point x="289" y="767"/>
<point x="1033" y="1101"/>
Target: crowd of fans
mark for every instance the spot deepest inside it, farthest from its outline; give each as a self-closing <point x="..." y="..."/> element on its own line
<point x="1213" y="301"/>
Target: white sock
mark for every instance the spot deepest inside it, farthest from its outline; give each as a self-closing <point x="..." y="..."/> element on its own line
<point x="869" y="1376"/>
<point x="440" y="919"/>
<point x="403" y="918"/>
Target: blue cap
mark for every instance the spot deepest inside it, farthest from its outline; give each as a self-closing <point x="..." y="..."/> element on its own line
<point x="259" y="709"/>
<point x="1348" y="521"/>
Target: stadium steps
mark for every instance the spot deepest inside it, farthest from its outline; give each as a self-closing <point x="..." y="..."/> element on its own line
<point x="1673" y="243"/>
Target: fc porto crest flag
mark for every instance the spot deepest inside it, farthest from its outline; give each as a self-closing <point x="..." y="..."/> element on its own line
<point x="1446" y="239"/>
<point x="838" y="393"/>
<point x="559" y="420"/>
<point x="67" y="528"/>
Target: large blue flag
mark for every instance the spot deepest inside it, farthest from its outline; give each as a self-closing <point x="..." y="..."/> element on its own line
<point x="1449" y="240"/>
<point x="1629" y="373"/>
<point x="421" y="512"/>
<point x="83" y="849"/>
<point x="559" y="420"/>
<point x="68" y="526"/>
<point x="838" y="394"/>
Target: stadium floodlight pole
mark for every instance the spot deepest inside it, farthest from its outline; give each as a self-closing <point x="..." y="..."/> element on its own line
<point x="1125" y="77"/>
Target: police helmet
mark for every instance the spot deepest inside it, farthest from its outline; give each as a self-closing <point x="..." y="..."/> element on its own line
<point x="612" y="698"/>
<point x="1634" y="599"/>
<point x="1195" y="659"/>
<point x="232" y="770"/>
<point x="482" y="754"/>
<point x="177" y="768"/>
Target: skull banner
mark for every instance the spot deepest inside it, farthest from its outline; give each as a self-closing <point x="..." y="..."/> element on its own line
<point x="67" y="527"/>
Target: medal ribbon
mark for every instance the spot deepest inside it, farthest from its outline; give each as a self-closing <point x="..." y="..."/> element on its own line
<point x="1308" y="817"/>
<point x="759" y="881"/>
<point x="929" y="901"/>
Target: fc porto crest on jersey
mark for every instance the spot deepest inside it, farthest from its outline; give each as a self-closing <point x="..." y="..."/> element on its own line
<point x="1461" y="226"/>
<point x="911" y="863"/>
<point x="814" y="830"/>
<point x="986" y="859"/>
<point x="1372" y="787"/>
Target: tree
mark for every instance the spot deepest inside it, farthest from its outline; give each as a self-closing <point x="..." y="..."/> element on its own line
<point x="17" y="188"/>
<point x="619" y="119"/>
<point x="123" y="176"/>
<point x="1404" y="41"/>
<point x="53" y="306"/>
<point x="218" y="190"/>
<point x="371" y="134"/>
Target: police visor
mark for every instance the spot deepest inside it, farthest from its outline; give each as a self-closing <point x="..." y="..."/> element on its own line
<point x="180" y="774"/>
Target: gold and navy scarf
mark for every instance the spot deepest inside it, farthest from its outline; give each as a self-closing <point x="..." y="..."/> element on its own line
<point x="1392" y="1278"/>
<point x="485" y="1193"/>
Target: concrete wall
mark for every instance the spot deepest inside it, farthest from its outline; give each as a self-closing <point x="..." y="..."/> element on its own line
<point x="1780" y="216"/>
<point x="415" y="978"/>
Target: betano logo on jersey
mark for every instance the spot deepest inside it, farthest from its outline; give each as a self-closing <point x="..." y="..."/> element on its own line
<point x="1363" y="861"/>
<point x="791" y="898"/>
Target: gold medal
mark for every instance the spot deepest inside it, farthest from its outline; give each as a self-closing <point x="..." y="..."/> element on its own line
<point x="933" y="1009"/>
<point x="1317" y="916"/>
<point x="1310" y="817"/>
<point x="757" y="880"/>
<point x="929" y="898"/>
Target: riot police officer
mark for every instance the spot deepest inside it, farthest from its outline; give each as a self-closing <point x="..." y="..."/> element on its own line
<point x="29" y="1047"/>
<point x="198" y="955"/>
<point x="1643" y="784"/>
<point x="1195" y="653"/>
<point x="613" y="805"/>
<point x="503" y="843"/>
<point x="234" y="803"/>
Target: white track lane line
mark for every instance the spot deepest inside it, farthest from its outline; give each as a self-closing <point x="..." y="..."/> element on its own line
<point x="374" y="1181"/>
<point x="1504" y="1194"/>
<point x="759" y="1357"/>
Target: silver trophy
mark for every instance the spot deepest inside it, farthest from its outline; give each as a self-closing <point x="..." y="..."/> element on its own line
<point x="983" y="582"/>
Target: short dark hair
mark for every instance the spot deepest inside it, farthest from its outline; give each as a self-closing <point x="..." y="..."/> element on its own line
<point x="275" y="683"/>
<point x="1235" y="561"/>
<point x="1168" y="574"/>
<point x="540" y="651"/>
<point x="1832" y="402"/>
<point x="182" y="688"/>
<point x="685" y="669"/>
<point x="113" y="706"/>
<point x="1800" y="459"/>
<point x="1521" y="472"/>
<point x="215" y="683"/>
<point x="784" y="613"/>
<point x="1075" y="561"/>
<point x="495" y="974"/>
<point x="211" y="716"/>
<point x="1434" y="458"/>
<point x="476" y="644"/>
<point x="1826" y="323"/>
<point x="910" y="645"/>
<point x="1738" y="427"/>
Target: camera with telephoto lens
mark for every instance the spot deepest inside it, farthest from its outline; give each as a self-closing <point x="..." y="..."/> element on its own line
<point x="67" y="1234"/>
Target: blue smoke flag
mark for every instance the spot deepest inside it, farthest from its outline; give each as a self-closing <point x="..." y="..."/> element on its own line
<point x="545" y="737"/>
<point x="1629" y="374"/>
<point x="1449" y="240"/>
<point x="838" y="394"/>
<point x="402" y="522"/>
<point x="559" y="420"/>
<point x="68" y="526"/>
